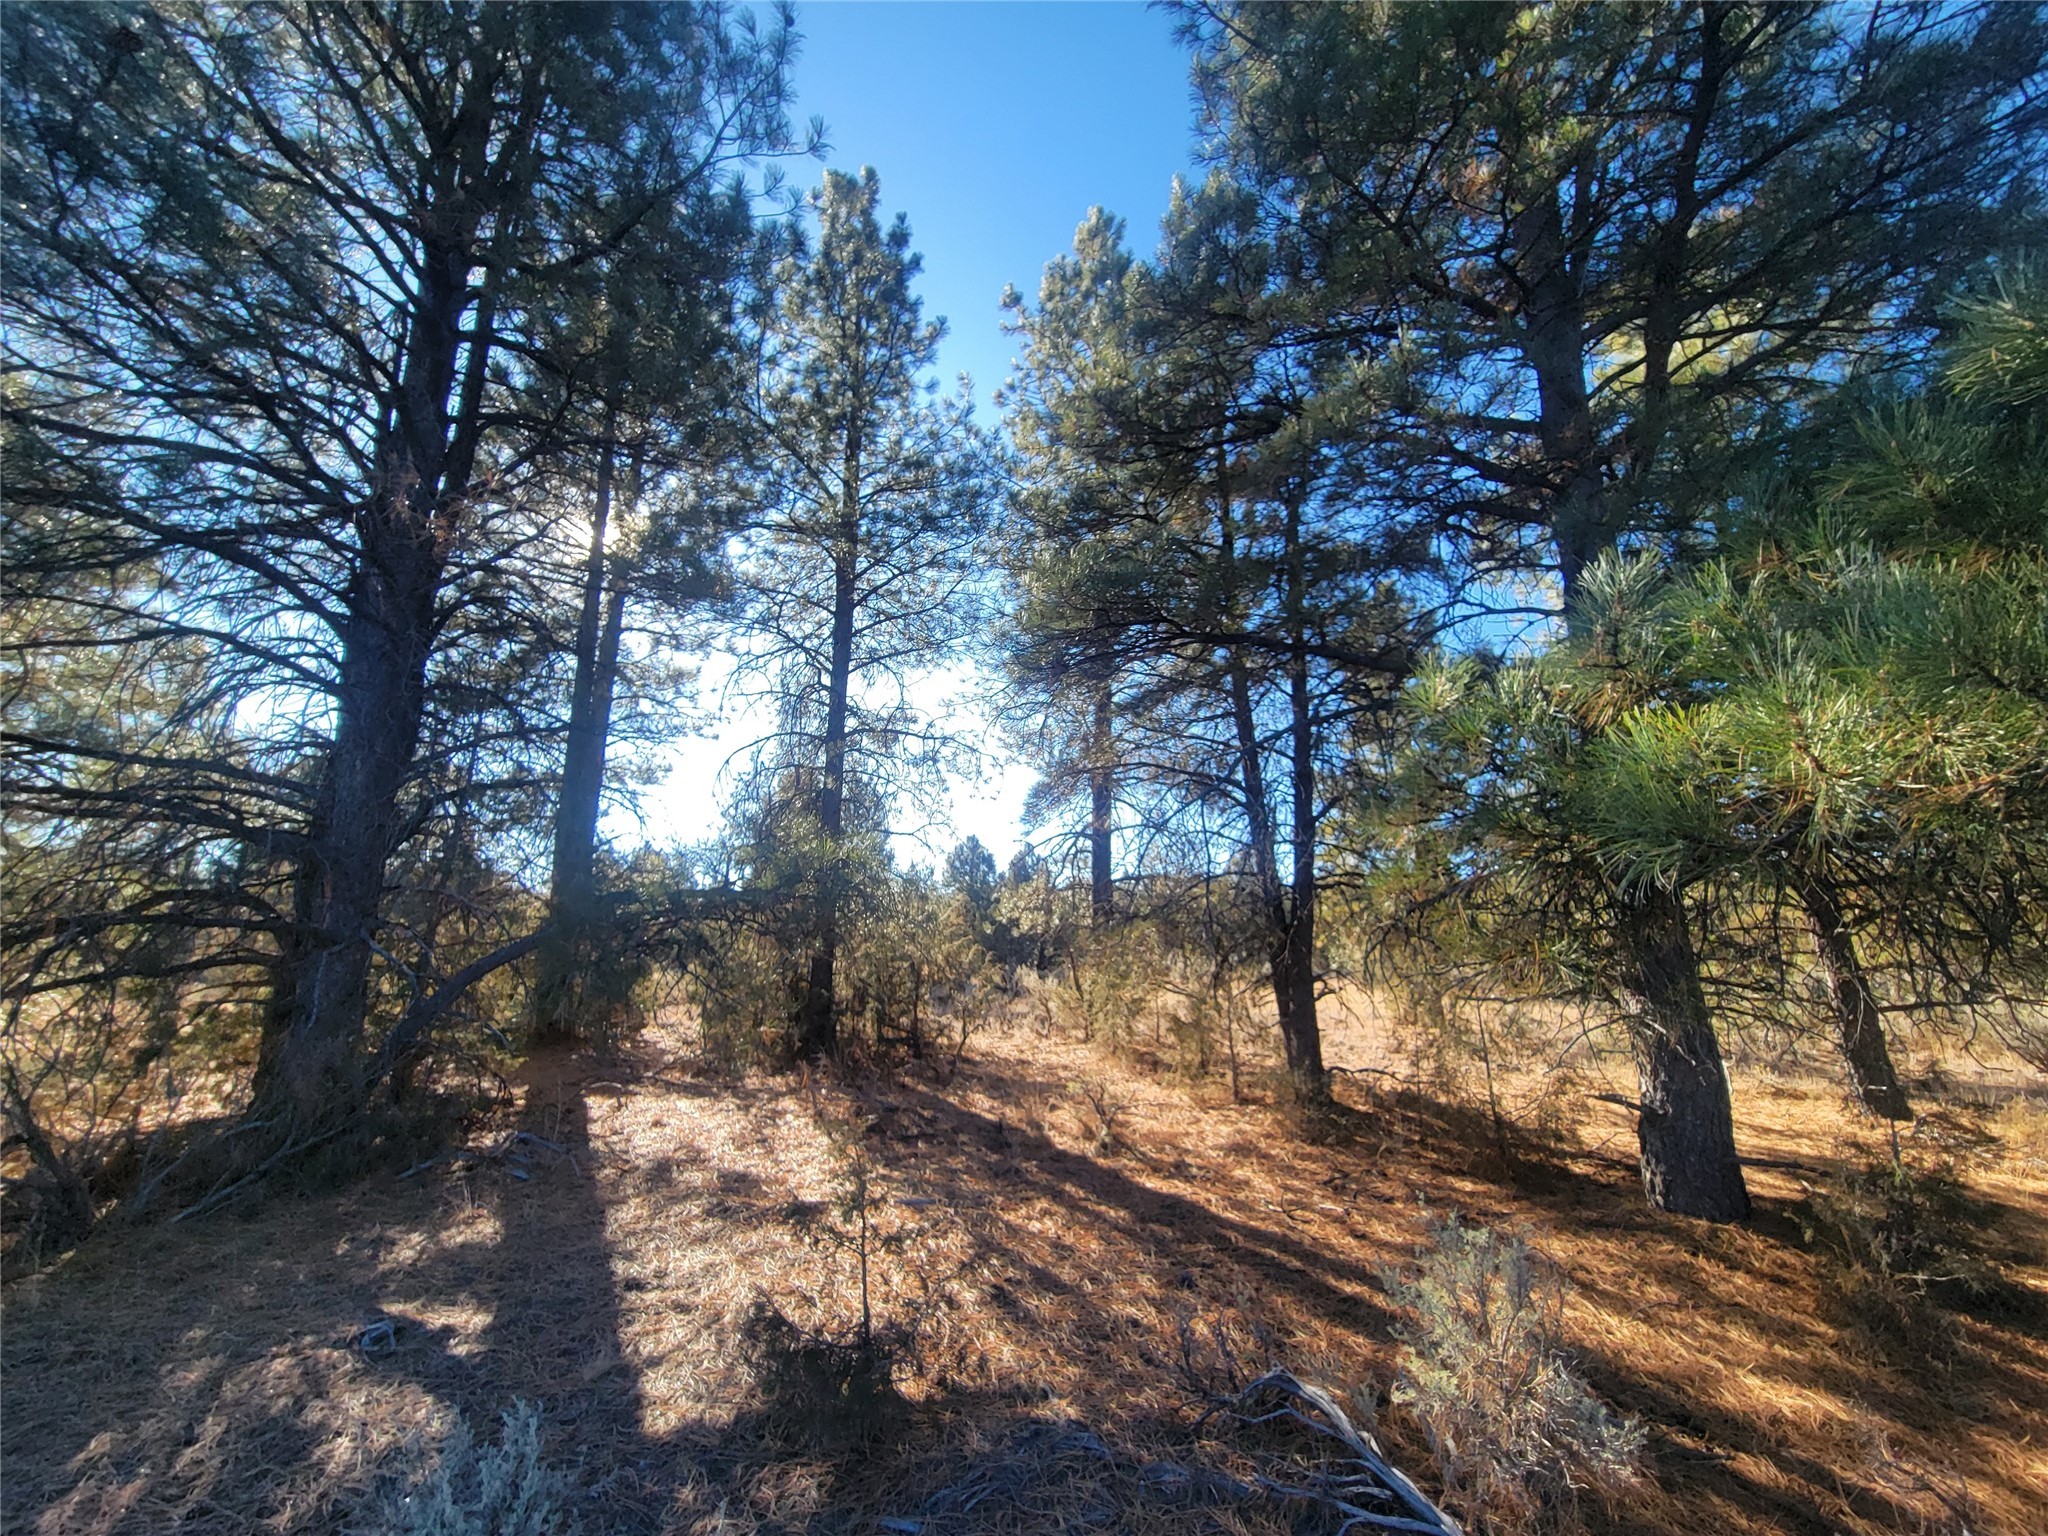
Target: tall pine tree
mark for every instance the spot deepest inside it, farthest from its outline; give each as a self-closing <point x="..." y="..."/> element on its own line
<point x="857" y="573"/>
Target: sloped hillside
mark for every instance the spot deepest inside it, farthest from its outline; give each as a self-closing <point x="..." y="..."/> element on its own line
<point x="1061" y="1292"/>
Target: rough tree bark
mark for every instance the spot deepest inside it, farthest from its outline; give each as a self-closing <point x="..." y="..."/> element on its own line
<point x="1859" y="1025"/>
<point x="1295" y="958"/>
<point x="1686" y="1124"/>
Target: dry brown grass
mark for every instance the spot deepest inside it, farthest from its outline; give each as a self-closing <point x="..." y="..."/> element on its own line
<point x="204" y="1378"/>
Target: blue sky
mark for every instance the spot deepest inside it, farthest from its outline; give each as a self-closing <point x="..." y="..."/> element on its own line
<point x="994" y="127"/>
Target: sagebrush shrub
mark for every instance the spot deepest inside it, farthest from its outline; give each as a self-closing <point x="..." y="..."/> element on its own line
<point x="1514" y="1430"/>
<point x="455" y="1489"/>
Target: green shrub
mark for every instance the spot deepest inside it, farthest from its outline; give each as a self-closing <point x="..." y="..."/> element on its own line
<point x="1110" y="986"/>
<point x="744" y="987"/>
<point x="1514" y="1430"/>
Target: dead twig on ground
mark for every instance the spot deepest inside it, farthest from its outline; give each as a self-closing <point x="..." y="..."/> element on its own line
<point x="1279" y="1397"/>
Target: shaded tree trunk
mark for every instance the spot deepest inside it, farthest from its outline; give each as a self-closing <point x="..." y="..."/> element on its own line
<point x="310" y="1057"/>
<point x="817" y="1023"/>
<point x="572" y="886"/>
<point x="1553" y="325"/>
<point x="1686" y="1124"/>
<point x="1859" y="1025"/>
<point x="1294" y="959"/>
<point x="1101" y="814"/>
<point x="1290" y="931"/>
<point x="1260" y="839"/>
<point x="310" y="1065"/>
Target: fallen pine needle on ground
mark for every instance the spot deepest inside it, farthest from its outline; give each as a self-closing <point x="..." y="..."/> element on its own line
<point x="1059" y="1306"/>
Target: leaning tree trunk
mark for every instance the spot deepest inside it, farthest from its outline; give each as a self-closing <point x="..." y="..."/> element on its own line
<point x="1686" y="1124"/>
<point x="1859" y="1025"/>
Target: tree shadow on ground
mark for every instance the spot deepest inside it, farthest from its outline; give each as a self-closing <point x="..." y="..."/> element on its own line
<point x="1155" y="1220"/>
<point x="1712" y="1458"/>
<point x="215" y="1378"/>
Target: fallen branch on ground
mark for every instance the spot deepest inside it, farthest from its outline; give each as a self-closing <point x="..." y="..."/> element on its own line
<point x="222" y="1194"/>
<point x="1279" y="1397"/>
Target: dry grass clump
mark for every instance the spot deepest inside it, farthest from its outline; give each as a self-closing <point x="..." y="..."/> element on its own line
<point x="1902" y="1253"/>
<point x="2021" y="1126"/>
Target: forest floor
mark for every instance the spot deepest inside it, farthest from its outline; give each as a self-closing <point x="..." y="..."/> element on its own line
<point x="1071" y="1295"/>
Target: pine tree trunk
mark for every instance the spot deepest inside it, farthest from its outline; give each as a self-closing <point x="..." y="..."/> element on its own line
<point x="1101" y="816"/>
<point x="1859" y="1025"/>
<point x="1295" y="967"/>
<point x="572" y="891"/>
<point x="310" y="1062"/>
<point x="570" y="885"/>
<point x="1553" y="330"/>
<point x="1686" y="1125"/>
<point x="1292" y="959"/>
<point x="817" y="1023"/>
<point x="1280" y="952"/>
<point x="1289" y="935"/>
<point x="311" y="1058"/>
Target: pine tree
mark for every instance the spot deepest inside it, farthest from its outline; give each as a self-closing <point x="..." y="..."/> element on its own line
<point x="1588" y="259"/>
<point x="647" y="350"/>
<point x="276" y="269"/>
<point x="1071" y="504"/>
<point x="1869" y="654"/>
<point x="857" y="572"/>
<point x="1236" y="596"/>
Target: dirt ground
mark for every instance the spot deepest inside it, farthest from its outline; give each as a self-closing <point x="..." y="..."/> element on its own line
<point x="1072" y="1290"/>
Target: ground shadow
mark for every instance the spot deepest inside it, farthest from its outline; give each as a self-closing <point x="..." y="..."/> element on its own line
<point x="209" y="1378"/>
